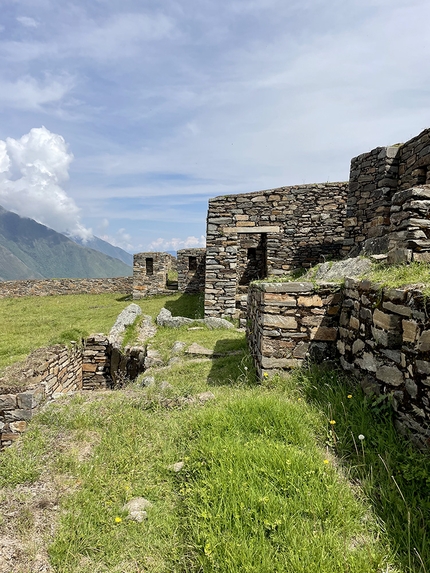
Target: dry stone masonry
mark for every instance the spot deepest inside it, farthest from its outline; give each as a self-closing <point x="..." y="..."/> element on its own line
<point x="384" y="340"/>
<point x="150" y="273"/>
<point x="381" y="336"/>
<point x="254" y="235"/>
<point x="191" y="270"/>
<point x="289" y="322"/>
<point x="47" y="287"/>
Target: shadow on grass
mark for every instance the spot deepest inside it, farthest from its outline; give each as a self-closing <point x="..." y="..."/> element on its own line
<point x="391" y="471"/>
<point x="124" y="298"/>
<point x="232" y="364"/>
<point x="188" y="305"/>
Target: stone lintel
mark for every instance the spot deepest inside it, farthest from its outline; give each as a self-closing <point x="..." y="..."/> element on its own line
<point x="256" y="230"/>
<point x="286" y="287"/>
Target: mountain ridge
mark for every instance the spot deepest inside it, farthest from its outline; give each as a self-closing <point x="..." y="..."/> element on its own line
<point x="31" y="250"/>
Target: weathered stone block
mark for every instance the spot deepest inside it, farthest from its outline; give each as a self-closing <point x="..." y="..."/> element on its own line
<point x="324" y="333"/>
<point x="367" y="362"/>
<point x="386" y="321"/>
<point x="423" y="367"/>
<point x="397" y="308"/>
<point x="7" y="402"/>
<point x="424" y="341"/>
<point x="410" y="330"/>
<point x="307" y="301"/>
<point x="276" y="321"/>
<point x="390" y="375"/>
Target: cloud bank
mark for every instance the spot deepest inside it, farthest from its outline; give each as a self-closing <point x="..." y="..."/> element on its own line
<point x="32" y="172"/>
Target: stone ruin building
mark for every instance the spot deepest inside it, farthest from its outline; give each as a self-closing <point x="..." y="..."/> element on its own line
<point x="384" y="208"/>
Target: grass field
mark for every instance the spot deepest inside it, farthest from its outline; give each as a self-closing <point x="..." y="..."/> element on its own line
<point x="275" y="476"/>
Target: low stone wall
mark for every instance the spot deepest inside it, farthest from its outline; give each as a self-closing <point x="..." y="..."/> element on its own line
<point x="56" y="370"/>
<point x="93" y="365"/>
<point x="381" y="336"/>
<point x="47" y="287"/>
<point x="384" y="340"/>
<point x="288" y="321"/>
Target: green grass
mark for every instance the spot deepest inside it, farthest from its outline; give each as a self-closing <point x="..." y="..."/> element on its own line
<point x="394" y="276"/>
<point x="275" y="477"/>
<point x="33" y="322"/>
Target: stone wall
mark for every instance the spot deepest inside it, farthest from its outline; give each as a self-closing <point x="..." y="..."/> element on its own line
<point x="376" y="178"/>
<point x="150" y="273"/>
<point x="287" y="322"/>
<point x="414" y="161"/>
<point x="409" y="237"/>
<point x="268" y="233"/>
<point x="47" y="287"/>
<point x="191" y="265"/>
<point x="381" y="336"/>
<point x="56" y="370"/>
<point x="50" y="372"/>
<point x="384" y="340"/>
<point x="372" y="183"/>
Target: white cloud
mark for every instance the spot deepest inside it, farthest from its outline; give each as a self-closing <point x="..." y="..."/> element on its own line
<point x="32" y="171"/>
<point x="176" y="244"/>
<point x="28" y="22"/>
<point x="120" y="239"/>
<point x="31" y="94"/>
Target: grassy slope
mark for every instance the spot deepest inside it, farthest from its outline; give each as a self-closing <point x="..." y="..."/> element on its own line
<point x="32" y="322"/>
<point x="275" y="478"/>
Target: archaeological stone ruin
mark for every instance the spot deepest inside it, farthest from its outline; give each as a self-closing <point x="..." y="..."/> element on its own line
<point x="380" y="336"/>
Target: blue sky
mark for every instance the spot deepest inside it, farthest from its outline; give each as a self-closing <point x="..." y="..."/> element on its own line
<point x="122" y="118"/>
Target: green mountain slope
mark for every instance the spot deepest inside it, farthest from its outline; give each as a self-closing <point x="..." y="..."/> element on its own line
<point x="46" y="253"/>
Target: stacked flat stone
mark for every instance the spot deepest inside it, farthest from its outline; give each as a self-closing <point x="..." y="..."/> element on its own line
<point x="285" y="228"/>
<point x="191" y="278"/>
<point x="47" y="287"/>
<point x="409" y="237"/>
<point x="150" y="270"/>
<point x="289" y="321"/>
<point x="381" y="336"/>
<point x="384" y="340"/>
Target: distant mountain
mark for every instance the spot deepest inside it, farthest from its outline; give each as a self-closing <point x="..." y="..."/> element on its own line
<point x="31" y="250"/>
<point x="104" y="247"/>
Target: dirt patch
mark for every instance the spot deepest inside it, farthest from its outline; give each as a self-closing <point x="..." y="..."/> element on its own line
<point x="29" y="513"/>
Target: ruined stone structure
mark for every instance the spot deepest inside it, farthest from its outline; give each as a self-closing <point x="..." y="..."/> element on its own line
<point x="254" y="235"/>
<point x="150" y="273"/>
<point x="384" y="208"/>
<point x="382" y="211"/>
<point x="191" y="270"/>
<point x="381" y="336"/>
<point x="96" y="364"/>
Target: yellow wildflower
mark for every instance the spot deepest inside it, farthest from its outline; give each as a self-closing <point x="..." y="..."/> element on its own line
<point x="332" y="422"/>
<point x="118" y="519"/>
<point x="349" y="396"/>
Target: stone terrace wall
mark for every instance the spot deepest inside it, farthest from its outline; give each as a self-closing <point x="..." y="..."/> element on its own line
<point x="150" y="273"/>
<point x="288" y="227"/>
<point x="47" y="287"/>
<point x="383" y="339"/>
<point x="59" y="372"/>
<point x="289" y="321"/>
<point x="191" y="265"/>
